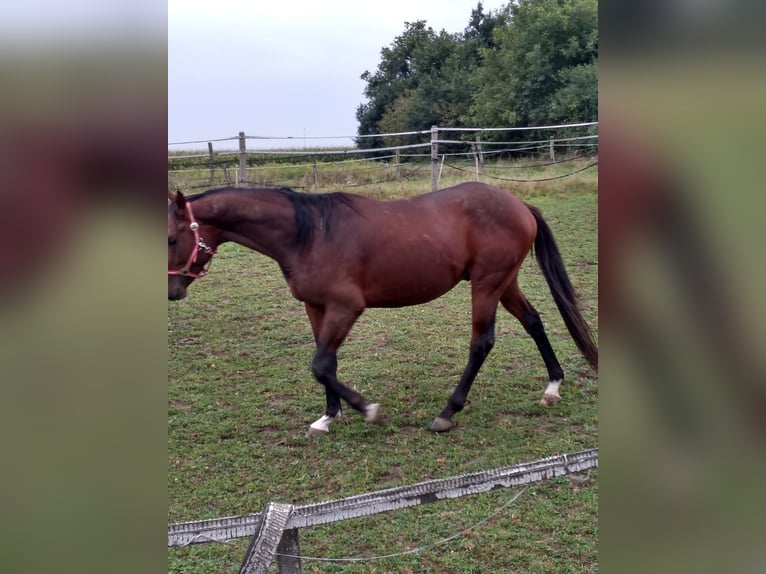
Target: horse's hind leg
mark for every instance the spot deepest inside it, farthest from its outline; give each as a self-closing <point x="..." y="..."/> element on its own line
<point x="482" y="341"/>
<point x="515" y="302"/>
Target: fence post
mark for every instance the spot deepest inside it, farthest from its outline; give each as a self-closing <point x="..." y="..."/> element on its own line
<point x="314" y="173"/>
<point x="267" y="536"/>
<point x="242" y="158"/>
<point x="481" y="152"/>
<point x="289" y="547"/>
<point x="212" y="162"/>
<point x="434" y="158"/>
<point x="553" y="154"/>
<point x="478" y="156"/>
<point x="397" y="164"/>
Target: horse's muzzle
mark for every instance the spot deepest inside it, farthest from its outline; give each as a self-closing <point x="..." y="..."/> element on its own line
<point x="176" y="293"/>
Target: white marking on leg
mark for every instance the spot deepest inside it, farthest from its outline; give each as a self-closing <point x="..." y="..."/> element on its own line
<point x="320" y="426"/>
<point x="372" y="414"/>
<point x="551" y="395"/>
<point x="553" y="389"/>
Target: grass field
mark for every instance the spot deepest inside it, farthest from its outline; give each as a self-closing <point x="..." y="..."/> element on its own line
<point x="241" y="397"/>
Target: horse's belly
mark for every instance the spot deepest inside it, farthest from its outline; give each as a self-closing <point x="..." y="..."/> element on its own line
<point x="404" y="287"/>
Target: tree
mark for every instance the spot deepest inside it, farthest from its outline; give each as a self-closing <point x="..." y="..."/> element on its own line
<point x="423" y="79"/>
<point x="577" y="98"/>
<point x="390" y="89"/>
<point x="531" y="63"/>
<point x="543" y="67"/>
<point x="481" y="26"/>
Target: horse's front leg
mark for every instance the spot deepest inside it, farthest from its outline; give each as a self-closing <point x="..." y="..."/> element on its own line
<point x="330" y="330"/>
<point x="324" y="367"/>
<point x="332" y="413"/>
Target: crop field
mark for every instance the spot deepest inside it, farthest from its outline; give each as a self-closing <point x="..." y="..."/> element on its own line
<point x="241" y="397"/>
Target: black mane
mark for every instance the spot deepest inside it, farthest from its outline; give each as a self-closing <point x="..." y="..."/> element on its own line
<point x="312" y="210"/>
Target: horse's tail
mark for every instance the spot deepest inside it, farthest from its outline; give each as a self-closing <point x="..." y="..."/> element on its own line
<point x="549" y="259"/>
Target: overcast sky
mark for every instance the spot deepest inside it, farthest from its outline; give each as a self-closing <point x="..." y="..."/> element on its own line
<point x="288" y="68"/>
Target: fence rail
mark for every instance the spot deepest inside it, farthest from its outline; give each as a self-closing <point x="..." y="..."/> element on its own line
<point x="476" y="148"/>
<point x="287" y="519"/>
<point x="418" y="132"/>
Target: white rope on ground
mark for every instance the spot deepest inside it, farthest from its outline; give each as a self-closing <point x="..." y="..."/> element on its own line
<point x="201" y="536"/>
<point x="414" y="550"/>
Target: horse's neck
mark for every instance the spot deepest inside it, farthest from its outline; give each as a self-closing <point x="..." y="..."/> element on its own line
<point x="263" y="222"/>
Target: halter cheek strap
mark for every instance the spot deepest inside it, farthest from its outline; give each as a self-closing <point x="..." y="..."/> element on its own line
<point x="199" y="245"/>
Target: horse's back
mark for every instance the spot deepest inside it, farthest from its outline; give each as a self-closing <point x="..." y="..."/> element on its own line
<point x="413" y="250"/>
<point x="470" y="212"/>
<point x="487" y="210"/>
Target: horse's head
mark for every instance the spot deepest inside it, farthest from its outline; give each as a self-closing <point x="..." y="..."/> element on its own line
<point x="188" y="251"/>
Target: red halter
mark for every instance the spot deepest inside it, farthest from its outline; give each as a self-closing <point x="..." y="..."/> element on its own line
<point x="199" y="245"/>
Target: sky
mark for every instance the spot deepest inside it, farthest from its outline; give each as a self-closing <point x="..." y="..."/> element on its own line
<point x="283" y="69"/>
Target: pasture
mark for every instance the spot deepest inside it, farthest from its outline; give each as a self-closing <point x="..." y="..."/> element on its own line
<point x="241" y="397"/>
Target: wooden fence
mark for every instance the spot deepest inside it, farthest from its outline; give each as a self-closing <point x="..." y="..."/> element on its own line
<point x="477" y="147"/>
<point x="274" y="530"/>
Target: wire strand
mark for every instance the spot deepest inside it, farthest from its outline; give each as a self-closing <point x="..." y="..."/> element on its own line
<point x="414" y="550"/>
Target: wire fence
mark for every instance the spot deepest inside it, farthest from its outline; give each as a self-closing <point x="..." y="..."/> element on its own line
<point x="475" y="152"/>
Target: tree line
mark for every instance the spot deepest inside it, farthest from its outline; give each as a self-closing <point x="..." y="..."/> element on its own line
<point x="532" y="62"/>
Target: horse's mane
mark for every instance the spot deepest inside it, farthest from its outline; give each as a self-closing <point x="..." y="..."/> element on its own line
<point x="312" y="210"/>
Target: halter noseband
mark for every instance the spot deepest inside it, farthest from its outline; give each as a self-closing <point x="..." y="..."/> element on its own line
<point x="199" y="245"/>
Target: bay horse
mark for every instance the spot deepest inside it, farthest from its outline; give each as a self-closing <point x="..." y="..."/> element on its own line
<point x="342" y="253"/>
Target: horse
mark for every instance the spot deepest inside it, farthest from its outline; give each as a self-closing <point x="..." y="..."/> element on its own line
<point x="55" y="170"/>
<point x="341" y="253"/>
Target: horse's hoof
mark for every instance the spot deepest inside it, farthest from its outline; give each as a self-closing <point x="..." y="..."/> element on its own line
<point x="312" y="432"/>
<point x="322" y="426"/>
<point x="373" y="414"/>
<point x="442" y="425"/>
<point x="550" y="400"/>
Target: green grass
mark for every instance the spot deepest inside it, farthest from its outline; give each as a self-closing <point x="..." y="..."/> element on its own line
<point x="241" y="397"/>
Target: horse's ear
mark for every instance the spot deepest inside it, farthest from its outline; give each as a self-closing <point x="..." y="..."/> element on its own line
<point x="180" y="202"/>
<point x="171" y="196"/>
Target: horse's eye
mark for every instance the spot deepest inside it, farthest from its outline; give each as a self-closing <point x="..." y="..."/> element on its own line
<point x="171" y="240"/>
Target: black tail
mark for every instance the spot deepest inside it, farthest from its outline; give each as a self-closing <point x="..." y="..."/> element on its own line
<point x="549" y="259"/>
